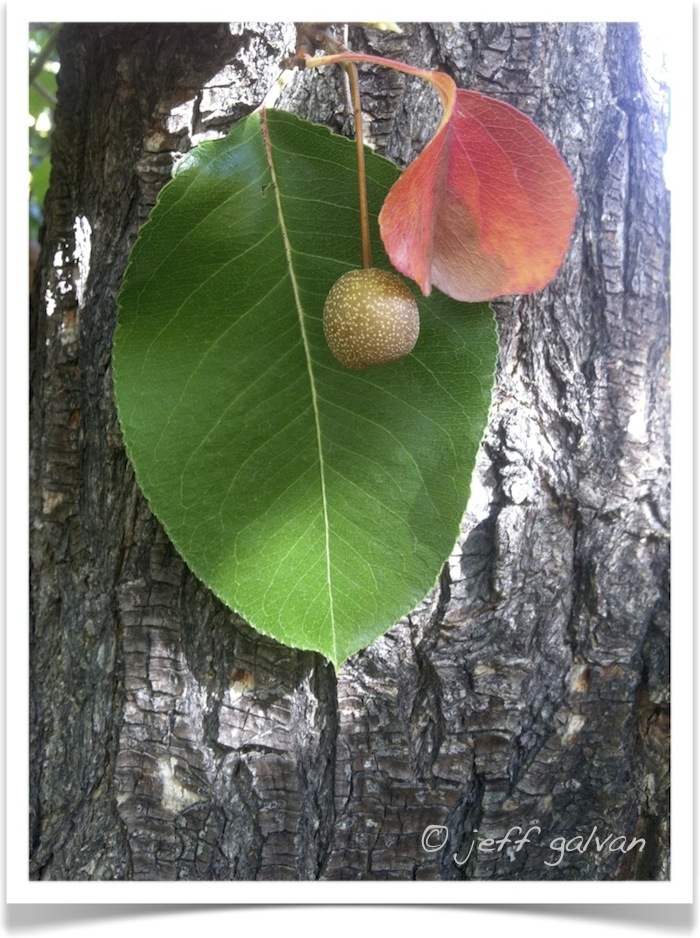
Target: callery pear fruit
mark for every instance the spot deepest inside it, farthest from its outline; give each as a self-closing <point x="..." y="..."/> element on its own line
<point x="370" y="318"/>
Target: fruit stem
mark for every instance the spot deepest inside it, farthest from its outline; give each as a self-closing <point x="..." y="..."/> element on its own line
<point x="351" y="70"/>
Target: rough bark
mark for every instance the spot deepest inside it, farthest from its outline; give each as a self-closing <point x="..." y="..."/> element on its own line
<point x="168" y="739"/>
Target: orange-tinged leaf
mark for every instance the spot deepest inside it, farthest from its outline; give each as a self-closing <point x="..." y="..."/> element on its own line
<point x="487" y="208"/>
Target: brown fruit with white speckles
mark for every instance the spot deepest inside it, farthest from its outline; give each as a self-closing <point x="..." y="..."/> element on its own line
<point x="370" y="318"/>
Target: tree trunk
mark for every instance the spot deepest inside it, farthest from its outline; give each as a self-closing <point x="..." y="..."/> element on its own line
<point x="530" y="690"/>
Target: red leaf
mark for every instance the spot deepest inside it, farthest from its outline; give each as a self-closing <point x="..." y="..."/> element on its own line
<point x="486" y="209"/>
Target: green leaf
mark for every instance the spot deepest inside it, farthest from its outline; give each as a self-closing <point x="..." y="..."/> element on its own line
<point x="318" y="502"/>
<point x="38" y="102"/>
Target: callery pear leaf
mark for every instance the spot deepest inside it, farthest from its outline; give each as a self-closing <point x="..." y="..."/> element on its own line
<point x="488" y="206"/>
<point x="318" y="502"/>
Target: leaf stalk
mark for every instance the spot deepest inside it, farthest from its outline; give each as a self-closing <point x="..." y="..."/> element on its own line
<point x="442" y="83"/>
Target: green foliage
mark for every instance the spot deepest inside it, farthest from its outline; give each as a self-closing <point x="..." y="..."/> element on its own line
<point x="43" y="65"/>
<point x="319" y="502"/>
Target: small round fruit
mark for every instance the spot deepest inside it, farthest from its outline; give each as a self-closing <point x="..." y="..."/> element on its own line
<point x="370" y="318"/>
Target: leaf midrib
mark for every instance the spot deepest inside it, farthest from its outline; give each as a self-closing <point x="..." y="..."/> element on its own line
<point x="310" y="369"/>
